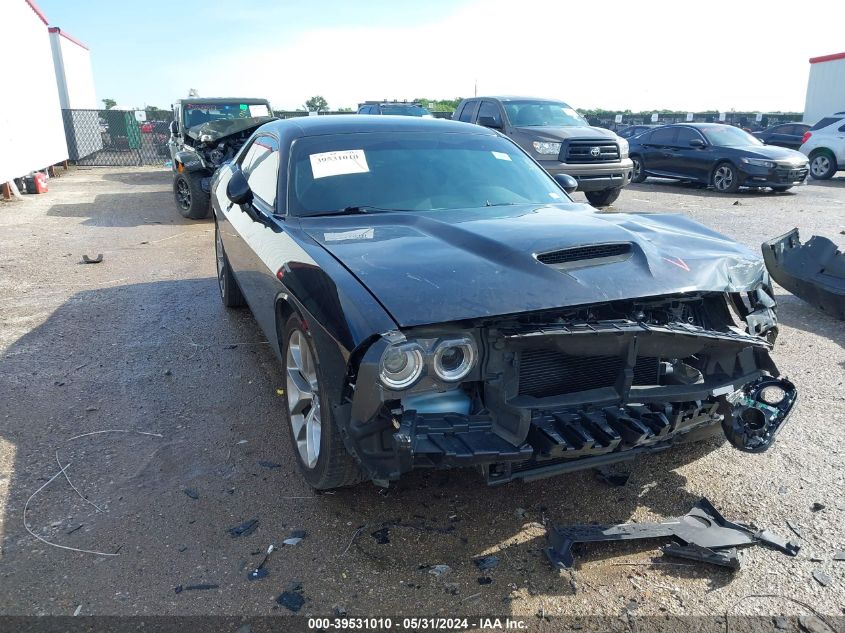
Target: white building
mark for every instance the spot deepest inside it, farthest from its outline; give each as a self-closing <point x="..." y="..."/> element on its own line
<point x="32" y="135"/>
<point x="825" y="88"/>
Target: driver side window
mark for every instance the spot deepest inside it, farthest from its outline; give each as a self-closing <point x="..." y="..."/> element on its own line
<point x="260" y="165"/>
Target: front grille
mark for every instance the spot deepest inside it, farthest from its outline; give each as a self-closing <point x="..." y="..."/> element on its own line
<point x="544" y="373"/>
<point x="591" y="152"/>
<point x="790" y="175"/>
<point x="579" y="253"/>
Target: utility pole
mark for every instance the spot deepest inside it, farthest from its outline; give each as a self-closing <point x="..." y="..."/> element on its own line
<point x="475" y="94"/>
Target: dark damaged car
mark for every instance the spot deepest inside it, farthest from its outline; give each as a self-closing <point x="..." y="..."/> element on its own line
<point x="438" y="301"/>
<point x="204" y="134"/>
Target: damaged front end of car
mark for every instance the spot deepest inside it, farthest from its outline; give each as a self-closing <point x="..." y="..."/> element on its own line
<point x="532" y="395"/>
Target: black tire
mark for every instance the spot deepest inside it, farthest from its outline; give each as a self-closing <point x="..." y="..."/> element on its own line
<point x="334" y="467"/>
<point x="782" y="188"/>
<point x="193" y="203"/>
<point x="230" y="291"/>
<point x="822" y="165"/>
<point x="725" y="178"/>
<point x="604" y="197"/>
<point x="639" y="174"/>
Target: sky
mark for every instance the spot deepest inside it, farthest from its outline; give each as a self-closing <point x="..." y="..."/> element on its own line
<point x="648" y="54"/>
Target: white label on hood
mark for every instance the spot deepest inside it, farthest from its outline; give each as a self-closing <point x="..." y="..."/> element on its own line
<point x="359" y="234"/>
<point x="348" y="161"/>
<point x="259" y="110"/>
<point x="501" y="156"/>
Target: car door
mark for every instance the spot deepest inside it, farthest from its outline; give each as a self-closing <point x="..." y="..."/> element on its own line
<point x="255" y="227"/>
<point x="469" y="111"/>
<point x="686" y="160"/>
<point x="779" y="135"/>
<point x="656" y="148"/>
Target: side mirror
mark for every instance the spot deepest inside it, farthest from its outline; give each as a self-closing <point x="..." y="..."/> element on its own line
<point x="238" y="189"/>
<point x="696" y="142"/>
<point x="174" y="128"/>
<point x="489" y="121"/>
<point x="567" y="182"/>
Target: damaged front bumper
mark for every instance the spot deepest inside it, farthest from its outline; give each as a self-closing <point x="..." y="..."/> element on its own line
<point x="555" y="395"/>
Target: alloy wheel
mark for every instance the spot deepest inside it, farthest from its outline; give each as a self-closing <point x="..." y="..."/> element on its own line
<point x="638" y="168"/>
<point x="183" y="194"/>
<point x="723" y="178"/>
<point x="221" y="262"/>
<point x="303" y="398"/>
<point x="820" y="165"/>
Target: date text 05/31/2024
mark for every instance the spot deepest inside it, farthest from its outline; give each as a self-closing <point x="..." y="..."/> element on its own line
<point x="416" y="624"/>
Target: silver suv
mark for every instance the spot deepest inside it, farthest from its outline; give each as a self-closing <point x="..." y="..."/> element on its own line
<point x="824" y="145"/>
<point x="559" y="139"/>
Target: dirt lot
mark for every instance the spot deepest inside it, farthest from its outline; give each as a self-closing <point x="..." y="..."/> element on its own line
<point x="141" y="342"/>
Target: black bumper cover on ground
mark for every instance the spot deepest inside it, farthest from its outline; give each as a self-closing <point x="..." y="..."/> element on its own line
<point x="814" y="271"/>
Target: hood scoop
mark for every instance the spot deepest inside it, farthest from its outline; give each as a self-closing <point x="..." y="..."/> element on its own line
<point x="583" y="256"/>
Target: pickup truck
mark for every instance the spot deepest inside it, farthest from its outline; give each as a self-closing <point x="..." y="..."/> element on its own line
<point x="558" y="138"/>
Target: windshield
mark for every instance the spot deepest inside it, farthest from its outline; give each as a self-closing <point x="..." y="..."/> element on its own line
<point x="729" y="136"/>
<point x="413" y="171"/>
<point x="199" y="113"/>
<point x="405" y="110"/>
<point x="542" y="113"/>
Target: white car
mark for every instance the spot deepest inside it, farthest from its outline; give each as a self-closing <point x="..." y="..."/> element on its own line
<point x="824" y="145"/>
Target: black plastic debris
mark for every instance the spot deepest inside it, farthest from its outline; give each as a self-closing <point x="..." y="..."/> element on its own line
<point x="193" y="494"/>
<point x="73" y="529"/>
<point x="178" y="589"/>
<point x="92" y="260"/>
<point x="817" y="507"/>
<point x="257" y="574"/>
<point x="814" y="272"/>
<point x="611" y="477"/>
<point x="244" y="529"/>
<point x="291" y="600"/>
<point x="264" y="464"/>
<point x="382" y="536"/>
<point x="485" y="563"/>
<point x="822" y="578"/>
<point x="484" y="580"/>
<point x="702" y="534"/>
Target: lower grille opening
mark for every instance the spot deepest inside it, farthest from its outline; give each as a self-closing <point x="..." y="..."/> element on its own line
<point x="545" y="373"/>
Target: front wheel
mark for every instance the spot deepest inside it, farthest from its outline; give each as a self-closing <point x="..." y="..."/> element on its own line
<point x="822" y="166"/>
<point x="192" y="202"/>
<point x="639" y="174"/>
<point x="725" y="178"/>
<point x="603" y="198"/>
<point x="230" y="292"/>
<point x="323" y="459"/>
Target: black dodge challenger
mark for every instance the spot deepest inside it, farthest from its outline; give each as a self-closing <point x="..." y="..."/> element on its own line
<point x="437" y="300"/>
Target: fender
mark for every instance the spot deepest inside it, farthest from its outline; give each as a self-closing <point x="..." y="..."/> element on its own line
<point x="190" y="162"/>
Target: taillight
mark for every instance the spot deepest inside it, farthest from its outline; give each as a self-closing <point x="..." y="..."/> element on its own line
<point x="806" y="137"/>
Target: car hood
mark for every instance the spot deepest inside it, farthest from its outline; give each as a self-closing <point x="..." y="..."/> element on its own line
<point x="440" y="266"/>
<point x="550" y="133"/>
<point x="772" y="152"/>
<point x="222" y="128"/>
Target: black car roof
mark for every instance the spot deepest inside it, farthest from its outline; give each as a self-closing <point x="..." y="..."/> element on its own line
<point x="351" y="123"/>
<point x="252" y="101"/>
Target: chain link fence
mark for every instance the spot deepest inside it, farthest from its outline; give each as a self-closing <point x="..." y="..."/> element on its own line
<point x="117" y="137"/>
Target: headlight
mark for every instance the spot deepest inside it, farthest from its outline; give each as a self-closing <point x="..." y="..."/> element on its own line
<point x="454" y="358"/>
<point x="546" y="148"/>
<point x="759" y="162"/>
<point x="623" y="148"/>
<point x="401" y="365"/>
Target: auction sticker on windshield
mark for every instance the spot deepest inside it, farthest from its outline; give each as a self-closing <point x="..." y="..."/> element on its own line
<point x="349" y="161"/>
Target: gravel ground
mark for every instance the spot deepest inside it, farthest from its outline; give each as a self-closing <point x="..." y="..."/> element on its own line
<point x="141" y="342"/>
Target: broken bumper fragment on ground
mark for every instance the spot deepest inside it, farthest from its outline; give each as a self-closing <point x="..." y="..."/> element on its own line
<point x="814" y="271"/>
<point x="702" y="534"/>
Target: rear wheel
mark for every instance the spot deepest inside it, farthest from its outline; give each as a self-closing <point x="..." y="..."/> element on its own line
<point x="603" y="198"/>
<point x="323" y="459"/>
<point x="639" y="172"/>
<point x="725" y="178"/>
<point x="822" y="165"/>
<point x="191" y="200"/>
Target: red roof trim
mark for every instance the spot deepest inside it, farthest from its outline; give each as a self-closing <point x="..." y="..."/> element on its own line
<point x="827" y="58"/>
<point x="37" y="10"/>
<point x="56" y="29"/>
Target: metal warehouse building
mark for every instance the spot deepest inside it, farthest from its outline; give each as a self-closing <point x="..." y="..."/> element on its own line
<point x="826" y="87"/>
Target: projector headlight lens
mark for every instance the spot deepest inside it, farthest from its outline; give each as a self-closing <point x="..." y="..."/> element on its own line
<point x="454" y="358"/>
<point x="401" y="366"/>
